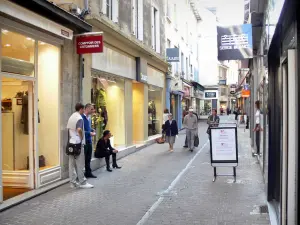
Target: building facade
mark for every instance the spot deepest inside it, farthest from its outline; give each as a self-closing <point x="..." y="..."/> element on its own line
<point x="274" y="81"/>
<point x="39" y="87"/>
<point x="183" y="89"/>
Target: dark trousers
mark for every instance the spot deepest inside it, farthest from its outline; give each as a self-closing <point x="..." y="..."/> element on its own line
<point x="88" y="150"/>
<point x="257" y="141"/>
<point x="114" y="158"/>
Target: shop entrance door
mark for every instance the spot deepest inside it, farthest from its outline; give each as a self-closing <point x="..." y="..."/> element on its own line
<point x="16" y="141"/>
<point x="290" y="137"/>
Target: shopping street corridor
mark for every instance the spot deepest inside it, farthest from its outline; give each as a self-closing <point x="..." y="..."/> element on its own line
<point x="156" y="187"/>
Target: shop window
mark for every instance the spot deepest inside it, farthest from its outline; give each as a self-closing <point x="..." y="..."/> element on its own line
<point x="205" y="107"/>
<point x="108" y="96"/>
<point x="17" y="53"/>
<point x="155" y="110"/>
<point x="48" y="105"/>
<point x="17" y="136"/>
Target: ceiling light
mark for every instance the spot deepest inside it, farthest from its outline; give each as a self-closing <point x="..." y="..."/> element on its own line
<point x="7" y="45"/>
<point x="42" y="43"/>
<point x="4" y="31"/>
<point x="112" y="81"/>
<point x="28" y="38"/>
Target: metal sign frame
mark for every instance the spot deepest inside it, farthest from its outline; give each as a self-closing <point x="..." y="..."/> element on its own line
<point x="224" y="163"/>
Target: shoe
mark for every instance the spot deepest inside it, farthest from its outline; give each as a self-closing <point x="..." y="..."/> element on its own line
<point x="73" y="185"/>
<point x="90" y="176"/>
<point x="191" y="150"/>
<point x="86" y="186"/>
<point x="117" y="167"/>
<point x="109" y="169"/>
<point x="185" y="146"/>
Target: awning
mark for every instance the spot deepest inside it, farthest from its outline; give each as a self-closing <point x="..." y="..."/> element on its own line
<point x="198" y="86"/>
<point x="56" y="14"/>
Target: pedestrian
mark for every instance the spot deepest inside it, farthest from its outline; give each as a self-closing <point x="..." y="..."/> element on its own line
<point x="105" y="150"/>
<point x="190" y="123"/>
<point x="257" y="129"/>
<point x="171" y="130"/>
<point x="186" y="142"/>
<point x="165" y="119"/>
<point x="89" y="133"/>
<point x="76" y="135"/>
<point x="212" y="121"/>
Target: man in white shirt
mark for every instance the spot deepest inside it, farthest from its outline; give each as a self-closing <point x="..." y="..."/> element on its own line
<point x="76" y="136"/>
<point x="190" y="123"/>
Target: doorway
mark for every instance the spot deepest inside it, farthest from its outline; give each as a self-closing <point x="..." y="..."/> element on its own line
<point x="17" y="136"/>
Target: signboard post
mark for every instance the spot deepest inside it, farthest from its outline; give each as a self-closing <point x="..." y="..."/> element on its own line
<point x="224" y="148"/>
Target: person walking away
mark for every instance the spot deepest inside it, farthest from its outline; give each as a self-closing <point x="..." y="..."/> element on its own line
<point x="76" y="135"/>
<point x="257" y="129"/>
<point x="165" y="119"/>
<point x="212" y="121"/>
<point x="89" y="133"/>
<point x="104" y="149"/>
<point x="186" y="142"/>
<point x="190" y="123"/>
<point x="171" y="130"/>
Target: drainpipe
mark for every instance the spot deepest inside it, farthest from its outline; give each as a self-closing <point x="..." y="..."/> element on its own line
<point x="81" y="76"/>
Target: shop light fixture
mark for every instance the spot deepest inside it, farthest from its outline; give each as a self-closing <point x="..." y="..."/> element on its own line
<point x="111" y="81"/>
<point x="151" y="90"/>
<point x="42" y="43"/>
<point x="7" y="45"/>
<point x="4" y="31"/>
<point x="28" y="38"/>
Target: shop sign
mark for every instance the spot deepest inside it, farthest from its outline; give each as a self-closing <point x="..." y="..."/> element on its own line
<point x="186" y="92"/>
<point x="245" y="93"/>
<point x="89" y="44"/>
<point x="235" y="42"/>
<point x="141" y="70"/>
<point x="211" y="94"/>
<point x="172" y="54"/>
<point x="222" y="82"/>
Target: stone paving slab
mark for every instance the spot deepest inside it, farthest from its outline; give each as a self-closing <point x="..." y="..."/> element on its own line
<point x="124" y="196"/>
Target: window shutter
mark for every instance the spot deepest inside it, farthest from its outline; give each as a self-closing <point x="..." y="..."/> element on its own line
<point x="134" y="12"/>
<point x="152" y="28"/>
<point x="115" y="11"/>
<point x="103" y="7"/>
<point x="140" y="20"/>
<point x="157" y="32"/>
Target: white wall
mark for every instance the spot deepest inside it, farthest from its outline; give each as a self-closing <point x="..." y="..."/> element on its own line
<point x="176" y="31"/>
<point x="233" y="72"/>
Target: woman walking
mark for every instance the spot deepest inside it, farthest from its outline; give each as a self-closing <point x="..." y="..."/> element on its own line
<point x="171" y="130"/>
<point x="257" y="128"/>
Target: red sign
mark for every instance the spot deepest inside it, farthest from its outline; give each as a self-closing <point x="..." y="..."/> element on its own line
<point x="245" y="93"/>
<point x="89" y="44"/>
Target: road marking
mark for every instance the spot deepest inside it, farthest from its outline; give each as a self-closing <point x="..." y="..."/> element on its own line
<point x="168" y="190"/>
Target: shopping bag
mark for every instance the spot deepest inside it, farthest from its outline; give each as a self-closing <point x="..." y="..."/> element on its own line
<point x="196" y="141"/>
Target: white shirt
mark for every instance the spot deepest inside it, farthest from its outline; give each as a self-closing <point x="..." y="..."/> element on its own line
<point x="165" y="117"/>
<point x="73" y="122"/>
<point x="257" y="117"/>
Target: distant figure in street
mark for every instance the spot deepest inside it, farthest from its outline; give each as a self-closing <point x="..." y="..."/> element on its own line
<point x="186" y="143"/>
<point x="171" y="130"/>
<point x="76" y="136"/>
<point x="236" y="113"/>
<point x="104" y="149"/>
<point x="228" y="111"/>
<point x="89" y="133"/>
<point x="258" y="127"/>
<point x="190" y="123"/>
<point x="212" y="121"/>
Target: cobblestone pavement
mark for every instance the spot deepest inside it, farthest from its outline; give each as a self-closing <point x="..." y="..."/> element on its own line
<point x="125" y="196"/>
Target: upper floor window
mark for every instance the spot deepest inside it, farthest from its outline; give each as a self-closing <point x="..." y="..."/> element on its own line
<point x="138" y="19"/>
<point x="155" y="29"/>
<point x="110" y="8"/>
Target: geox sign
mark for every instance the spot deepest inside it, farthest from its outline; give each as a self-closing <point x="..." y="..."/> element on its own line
<point x="235" y="42"/>
<point x="172" y="54"/>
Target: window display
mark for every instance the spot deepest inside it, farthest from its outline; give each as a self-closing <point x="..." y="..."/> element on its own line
<point x="17" y="53"/>
<point x="107" y="94"/>
<point x="155" y="110"/>
<point x="48" y="105"/>
<point x="205" y="107"/>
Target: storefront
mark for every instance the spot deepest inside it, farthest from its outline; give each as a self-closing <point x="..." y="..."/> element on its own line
<point x="209" y="102"/>
<point x="175" y="100"/>
<point x="198" y="95"/>
<point x="32" y="91"/>
<point x="186" y="101"/>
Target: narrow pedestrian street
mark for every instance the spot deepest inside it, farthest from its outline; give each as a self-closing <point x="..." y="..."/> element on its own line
<point x="156" y="187"/>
